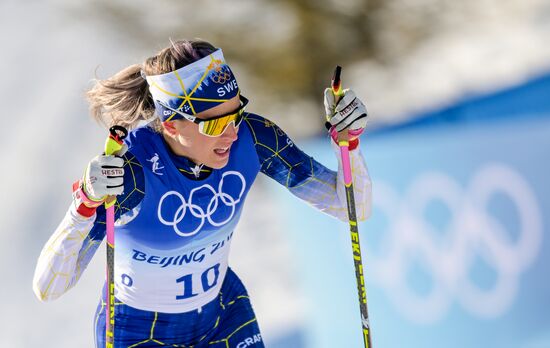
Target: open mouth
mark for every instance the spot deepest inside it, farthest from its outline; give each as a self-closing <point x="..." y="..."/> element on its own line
<point x="222" y="151"/>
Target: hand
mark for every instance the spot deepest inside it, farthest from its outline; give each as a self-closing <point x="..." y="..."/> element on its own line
<point x="104" y="176"/>
<point x="349" y="113"/>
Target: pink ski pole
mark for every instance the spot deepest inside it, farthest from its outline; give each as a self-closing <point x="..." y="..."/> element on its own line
<point x="343" y="143"/>
<point x="112" y="145"/>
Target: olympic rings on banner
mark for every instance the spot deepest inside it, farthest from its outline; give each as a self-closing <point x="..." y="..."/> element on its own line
<point x="473" y="234"/>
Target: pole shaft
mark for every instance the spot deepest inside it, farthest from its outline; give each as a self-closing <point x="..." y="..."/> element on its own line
<point x="355" y="242"/>
<point x="343" y="143"/>
<point x="110" y="272"/>
<point x="112" y="145"/>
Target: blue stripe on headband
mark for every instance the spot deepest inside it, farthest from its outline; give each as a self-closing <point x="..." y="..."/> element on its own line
<point x="194" y="88"/>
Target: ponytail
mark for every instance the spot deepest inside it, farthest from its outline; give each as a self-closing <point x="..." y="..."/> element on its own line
<point x="124" y="99"/>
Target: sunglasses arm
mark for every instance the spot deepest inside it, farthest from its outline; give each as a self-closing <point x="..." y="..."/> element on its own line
<point x="184" y="115"/>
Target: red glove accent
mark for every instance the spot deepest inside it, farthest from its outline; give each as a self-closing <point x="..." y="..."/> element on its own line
<point x="353" y="137"/>
<point x="84" y="206"/>
<point x="353" y="144"/>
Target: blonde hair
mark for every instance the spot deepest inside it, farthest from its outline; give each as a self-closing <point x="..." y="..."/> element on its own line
<point x="124" y="99"/>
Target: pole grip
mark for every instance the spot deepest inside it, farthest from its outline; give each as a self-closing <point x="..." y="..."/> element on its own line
<point x="114" y="141"/>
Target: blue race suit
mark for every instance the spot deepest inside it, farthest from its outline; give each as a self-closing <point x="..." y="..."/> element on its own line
<point x="175" y="222"/>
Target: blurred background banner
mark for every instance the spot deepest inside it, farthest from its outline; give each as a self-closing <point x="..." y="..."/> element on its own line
<point x="457" y="250"/>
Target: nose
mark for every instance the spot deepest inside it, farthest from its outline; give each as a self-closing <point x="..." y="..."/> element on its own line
<point x="230" y="132"/>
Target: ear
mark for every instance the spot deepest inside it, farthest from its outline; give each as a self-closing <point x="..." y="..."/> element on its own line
<point x="170" y="128"/>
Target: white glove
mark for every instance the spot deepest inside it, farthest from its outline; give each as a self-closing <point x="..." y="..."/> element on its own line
<point x="104" y="176"/>
<point x="349" y="113"/>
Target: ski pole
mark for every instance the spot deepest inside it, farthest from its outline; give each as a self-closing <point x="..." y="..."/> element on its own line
<point x="112" y="145"/>
<point x="343" y="143"/>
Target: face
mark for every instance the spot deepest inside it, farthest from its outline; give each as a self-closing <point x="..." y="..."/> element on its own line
<point x="184" y="137"/>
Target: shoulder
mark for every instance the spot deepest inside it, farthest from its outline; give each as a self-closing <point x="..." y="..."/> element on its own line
<point x="255" y="121"/>
<point x="262" y="128"/>
<point x="138" y="135"/>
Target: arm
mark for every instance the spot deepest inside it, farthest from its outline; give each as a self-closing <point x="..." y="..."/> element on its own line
<point x="306" y="178"/>
<point x="76" y="239"/>
<point x="65" y="255"/>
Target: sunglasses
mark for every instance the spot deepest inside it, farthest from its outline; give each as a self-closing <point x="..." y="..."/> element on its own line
<point x="214" y="126"/>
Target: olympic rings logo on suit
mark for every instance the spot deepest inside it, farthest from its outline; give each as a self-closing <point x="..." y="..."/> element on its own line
<point x="471" y="235"/>
<point x="202" y="213"/>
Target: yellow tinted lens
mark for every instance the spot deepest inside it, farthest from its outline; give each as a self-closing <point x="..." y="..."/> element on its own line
<point x="217" y="127"/>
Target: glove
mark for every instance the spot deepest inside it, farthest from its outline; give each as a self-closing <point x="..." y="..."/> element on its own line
<point x="349" y="113"/>
<point x="104" y="177"/>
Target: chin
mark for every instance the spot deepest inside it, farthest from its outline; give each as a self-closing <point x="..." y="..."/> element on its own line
<point x="217" y="164"/>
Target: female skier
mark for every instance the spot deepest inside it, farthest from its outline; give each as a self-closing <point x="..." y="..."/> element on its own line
<point x="181" y="181"/>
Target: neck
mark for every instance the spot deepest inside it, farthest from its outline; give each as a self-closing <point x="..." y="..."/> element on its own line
<point x="177" y="148"/>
